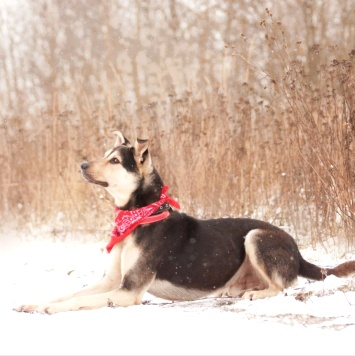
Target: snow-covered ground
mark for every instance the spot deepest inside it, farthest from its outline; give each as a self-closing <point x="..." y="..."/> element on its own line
<point x="313" y="318"/>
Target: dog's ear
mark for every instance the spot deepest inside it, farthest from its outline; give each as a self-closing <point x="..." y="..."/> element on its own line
<point x="141" y="150"/>
<point x="120" y="139"/>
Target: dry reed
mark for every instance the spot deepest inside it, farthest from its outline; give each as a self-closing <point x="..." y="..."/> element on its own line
<point x="272" y="140"/>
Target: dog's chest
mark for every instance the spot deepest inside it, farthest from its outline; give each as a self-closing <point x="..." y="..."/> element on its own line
<point x="130" y="253"/>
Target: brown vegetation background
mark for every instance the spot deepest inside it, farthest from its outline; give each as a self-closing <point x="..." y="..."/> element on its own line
<point x="250" y="108"/>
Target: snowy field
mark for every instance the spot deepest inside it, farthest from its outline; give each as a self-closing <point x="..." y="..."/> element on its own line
<point x="313" y="318"/>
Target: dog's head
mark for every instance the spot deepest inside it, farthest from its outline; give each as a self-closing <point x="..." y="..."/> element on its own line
<point x="123" y="169"/>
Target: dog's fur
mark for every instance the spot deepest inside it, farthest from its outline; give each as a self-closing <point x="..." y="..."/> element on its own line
<point x="183" y="258"/>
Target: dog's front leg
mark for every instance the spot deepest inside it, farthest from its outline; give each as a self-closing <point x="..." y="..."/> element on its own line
<point x="128" y="293"/>
<point x="113" y="298"/>
<point x="110" y="281"/>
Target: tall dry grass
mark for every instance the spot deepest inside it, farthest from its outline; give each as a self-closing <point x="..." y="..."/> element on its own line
<point x="238" y="136"/>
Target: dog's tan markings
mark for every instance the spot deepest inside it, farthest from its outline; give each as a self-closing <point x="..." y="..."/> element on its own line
<point x="244" y="280"/>
<point x="121" y="183"/>
<point x="274" y="283"/>
<point x="122" y="194"/>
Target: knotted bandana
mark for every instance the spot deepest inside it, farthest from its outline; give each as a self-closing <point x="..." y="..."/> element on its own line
<point x="127" y="220"/>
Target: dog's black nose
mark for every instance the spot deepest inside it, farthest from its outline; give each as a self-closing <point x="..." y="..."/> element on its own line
<point x="84" y="165"/>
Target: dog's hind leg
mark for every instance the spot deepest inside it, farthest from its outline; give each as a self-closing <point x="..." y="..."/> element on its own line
<point x="274" y="256"/>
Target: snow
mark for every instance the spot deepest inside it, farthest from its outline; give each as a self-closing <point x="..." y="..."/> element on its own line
<point x="312" y="318"/>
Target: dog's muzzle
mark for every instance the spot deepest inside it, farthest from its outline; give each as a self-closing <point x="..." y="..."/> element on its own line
<point x="84" y="166"/>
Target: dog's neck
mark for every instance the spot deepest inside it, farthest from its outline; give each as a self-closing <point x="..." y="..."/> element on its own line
<point x="148" y="192"/>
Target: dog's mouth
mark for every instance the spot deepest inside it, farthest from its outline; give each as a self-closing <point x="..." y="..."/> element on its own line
<point x="94" y="181"/>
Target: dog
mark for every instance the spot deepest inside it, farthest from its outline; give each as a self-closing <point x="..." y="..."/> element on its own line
<point x="157" y="249"/>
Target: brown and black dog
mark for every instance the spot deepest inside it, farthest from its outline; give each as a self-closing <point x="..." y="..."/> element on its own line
<point x="179" y="257"/>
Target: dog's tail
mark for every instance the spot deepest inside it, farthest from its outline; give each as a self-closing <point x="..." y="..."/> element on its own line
<point x="311" y="271"/>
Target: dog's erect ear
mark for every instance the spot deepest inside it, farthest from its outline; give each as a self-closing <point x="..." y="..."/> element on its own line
<point x="141" y="150"/>
<point x="120" y="139"/>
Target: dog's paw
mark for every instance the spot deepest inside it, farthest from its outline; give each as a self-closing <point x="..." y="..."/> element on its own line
<point x="46" y="309"/>
<point x="26" y="308"/>
<point x="260" y="294"/>
<point x="41" y="309"/>
<point x="249" y="295"/>
<point x="49" y="308"/>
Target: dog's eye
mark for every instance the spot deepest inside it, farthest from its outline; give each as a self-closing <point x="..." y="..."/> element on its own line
<point x="114" y="160"/>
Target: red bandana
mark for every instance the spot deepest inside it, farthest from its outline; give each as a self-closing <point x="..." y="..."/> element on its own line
<point x="128" y="220"/>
